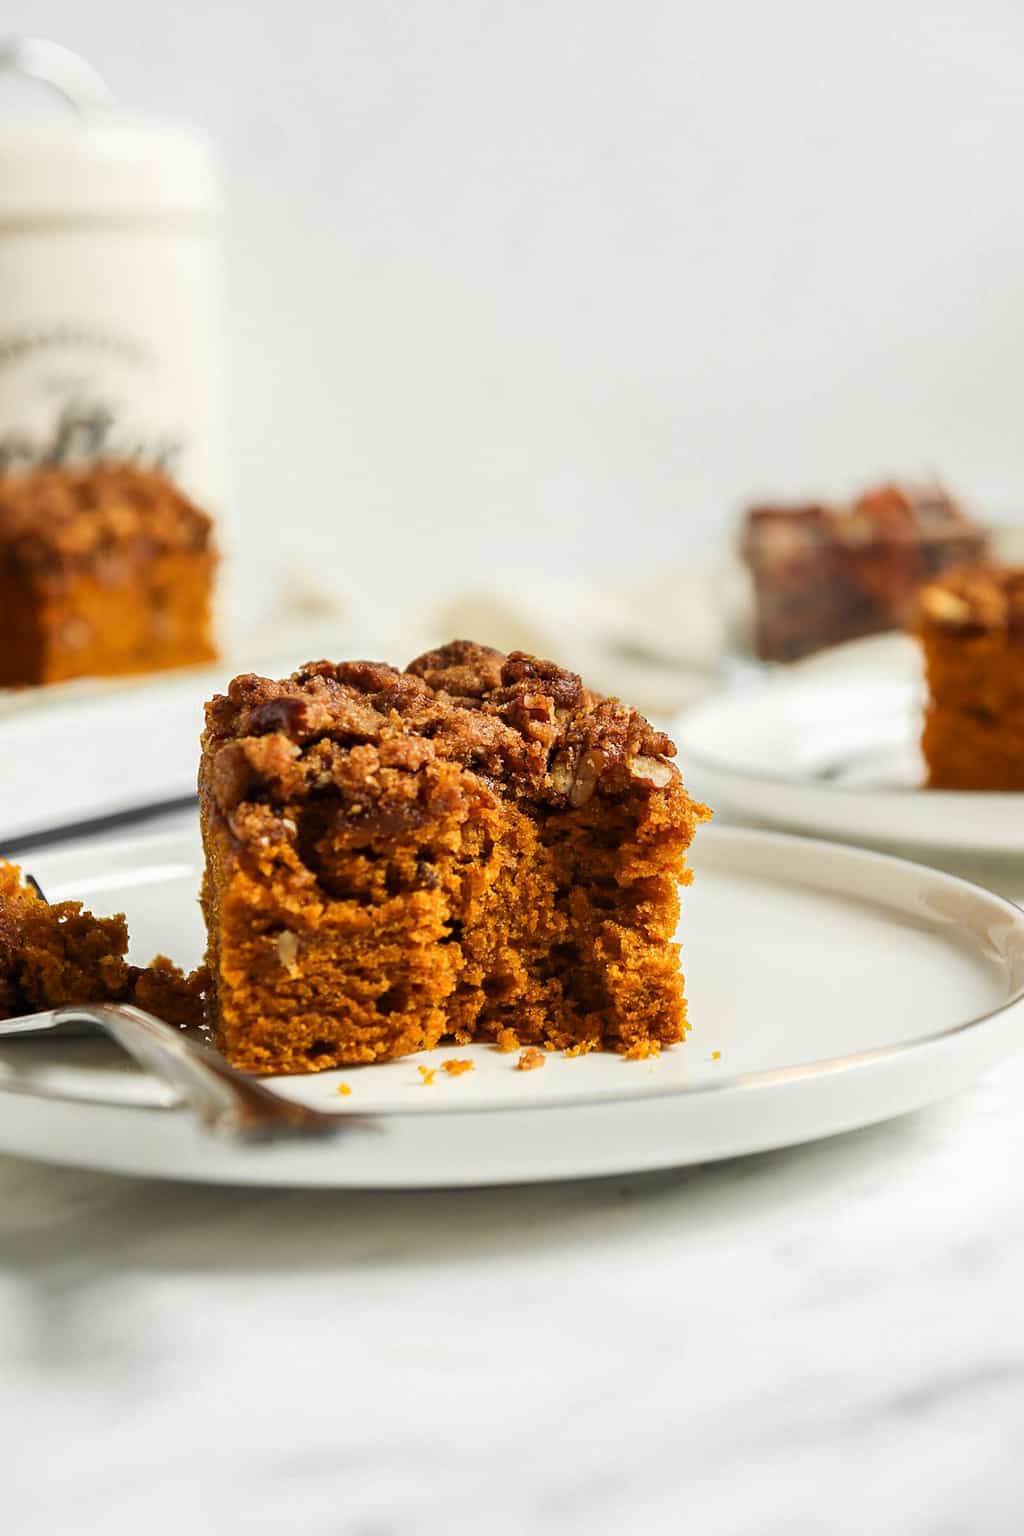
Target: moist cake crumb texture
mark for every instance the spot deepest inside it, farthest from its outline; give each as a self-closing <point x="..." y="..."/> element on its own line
<point x="971" y="627"/>
<point x="55" y="954"/>
<point x="475" y="848"/>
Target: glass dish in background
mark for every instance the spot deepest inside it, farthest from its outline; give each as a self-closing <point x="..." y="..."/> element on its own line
<point x="820" y="575"/>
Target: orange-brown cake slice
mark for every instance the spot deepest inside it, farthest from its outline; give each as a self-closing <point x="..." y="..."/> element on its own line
<point x="476" y="848"/>
<point x="59" y="953"/>
<point x="971" y="627"/>
<point x="104" y="570"/>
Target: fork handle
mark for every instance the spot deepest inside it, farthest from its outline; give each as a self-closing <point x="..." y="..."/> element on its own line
<point x="226" y="1101"/>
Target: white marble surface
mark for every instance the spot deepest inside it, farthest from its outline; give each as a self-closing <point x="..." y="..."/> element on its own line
<point x="822" y="1340"/>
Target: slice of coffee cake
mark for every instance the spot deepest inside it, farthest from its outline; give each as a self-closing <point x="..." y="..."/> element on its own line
<point x="104" y="570"/>
<point x="53" y="954"/>
<point x="971" y="628"/>
<point x="477" y="847"/>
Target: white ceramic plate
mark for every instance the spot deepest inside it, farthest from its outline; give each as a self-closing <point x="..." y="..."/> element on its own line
<point x="829" y="988"/>
<point x="832" y="746"/>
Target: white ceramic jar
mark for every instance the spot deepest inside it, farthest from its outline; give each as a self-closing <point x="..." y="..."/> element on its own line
<point x="110" y="325"/>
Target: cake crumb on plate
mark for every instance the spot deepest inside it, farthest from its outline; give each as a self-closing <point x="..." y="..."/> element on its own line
<point x="344" y="1090"/>
<point x="530" y="1059"/>
<point x="428" y="1074"/>
<point x="456" y="1065"/>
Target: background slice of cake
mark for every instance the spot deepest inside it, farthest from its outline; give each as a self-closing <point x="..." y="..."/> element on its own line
<point x="477" y="847"/>
<point x="826" y="574"/>
<point x="103" y="571"/>
<point x="971" y="626"/>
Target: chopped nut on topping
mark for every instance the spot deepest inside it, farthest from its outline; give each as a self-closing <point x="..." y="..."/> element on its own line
<point x="945" y="607"/>
<point x="652" y="770"/>
<point x="981" y="597"/>
<point x="294" y="717"/>
<point x="588" y="770"/>
<point x="288" y="951"/>
<point x="560" y="775"/>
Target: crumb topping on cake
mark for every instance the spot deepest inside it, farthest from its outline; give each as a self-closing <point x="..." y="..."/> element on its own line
<point x="516" y="723"/>
<point x="976" y="597"/>
<point x="55" y="519"/>
<point x="826" y="573"/>
<point x="885" y="512"/>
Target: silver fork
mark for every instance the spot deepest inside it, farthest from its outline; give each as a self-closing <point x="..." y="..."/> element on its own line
<point x="226" y="1101"/>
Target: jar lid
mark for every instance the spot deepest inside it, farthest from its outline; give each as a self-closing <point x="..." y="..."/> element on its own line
<point x="87" y="159"/>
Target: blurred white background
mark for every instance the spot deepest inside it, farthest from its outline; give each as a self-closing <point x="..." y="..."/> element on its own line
<point x="558" y="283"/>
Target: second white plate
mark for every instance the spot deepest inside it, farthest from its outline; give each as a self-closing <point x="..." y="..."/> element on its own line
<point x="832" y="747"/>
